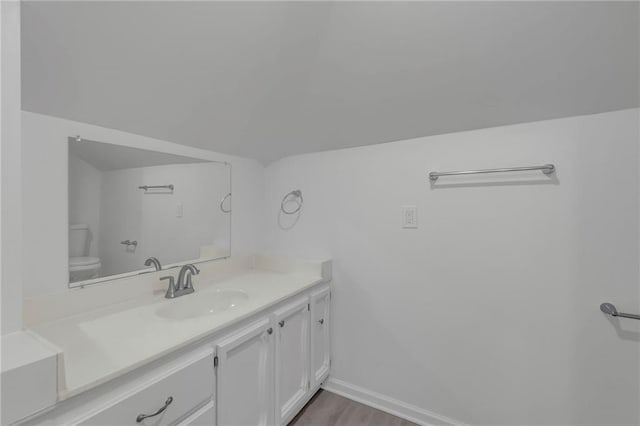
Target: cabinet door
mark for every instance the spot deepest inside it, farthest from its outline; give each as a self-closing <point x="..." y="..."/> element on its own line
<point x="292" y="358"/>
<point x="245" y="377"/>
<point x="320" y="346"/>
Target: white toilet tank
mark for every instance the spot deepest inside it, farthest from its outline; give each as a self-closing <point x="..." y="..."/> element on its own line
<point x="78" y="239"/>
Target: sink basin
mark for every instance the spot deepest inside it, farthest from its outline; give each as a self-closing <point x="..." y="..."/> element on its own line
<point x="200" y="304"/>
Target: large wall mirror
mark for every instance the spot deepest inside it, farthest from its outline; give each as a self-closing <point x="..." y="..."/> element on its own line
<point x="127" y="205"/>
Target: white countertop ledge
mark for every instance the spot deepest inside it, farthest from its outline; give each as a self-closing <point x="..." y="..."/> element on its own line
<point x="102" y="344"/>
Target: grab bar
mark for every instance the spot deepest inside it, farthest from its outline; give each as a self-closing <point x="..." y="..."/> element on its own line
<point x="547" y="169"/>
<point x="610" y="309"/>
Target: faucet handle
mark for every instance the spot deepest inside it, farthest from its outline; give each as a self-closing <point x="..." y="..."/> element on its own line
<point x="171" y="291"/>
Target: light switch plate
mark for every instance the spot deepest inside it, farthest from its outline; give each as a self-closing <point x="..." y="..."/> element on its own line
<point x="409" y="217"/>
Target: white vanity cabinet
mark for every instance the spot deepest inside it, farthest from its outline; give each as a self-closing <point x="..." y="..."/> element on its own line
<point x="320" y="302"/>
<point x="260" y="370"/>
<point x="268" y="370"/>
<point x="206" y="416"/>
<point x="171" y="396"/>
<point x="245" y="376"/>
<point x="292" y="359"/>
<point x="179" y="391"/>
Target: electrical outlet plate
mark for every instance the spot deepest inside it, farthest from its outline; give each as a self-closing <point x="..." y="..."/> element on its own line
<point x="409" y="217"/>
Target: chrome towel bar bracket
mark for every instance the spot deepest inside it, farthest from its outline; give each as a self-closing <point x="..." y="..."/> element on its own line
<point x="610" y="309"/>
<point x="547" y="169"/>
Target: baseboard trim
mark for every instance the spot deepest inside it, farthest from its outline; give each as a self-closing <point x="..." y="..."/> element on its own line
<point x="387" y="404"/>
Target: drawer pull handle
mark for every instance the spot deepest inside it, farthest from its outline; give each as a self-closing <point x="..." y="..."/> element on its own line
<point x="141" y="417"/>
<point x="281" y="323"/>
<point x="269" y="330"/>
<point x="321" y="321"/>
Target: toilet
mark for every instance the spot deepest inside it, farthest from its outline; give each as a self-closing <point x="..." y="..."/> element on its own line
<point x="81" y="265"/>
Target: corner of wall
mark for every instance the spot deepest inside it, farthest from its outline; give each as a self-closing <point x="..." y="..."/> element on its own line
<point x="11" y="190"/>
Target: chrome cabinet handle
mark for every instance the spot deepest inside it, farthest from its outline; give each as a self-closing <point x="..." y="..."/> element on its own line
<point x="281" y="323"/>
<point x="141" y="417"/>
<point x="321" y="321"/>
<point x="269" y="330"/>
<point x="129" y="243"/>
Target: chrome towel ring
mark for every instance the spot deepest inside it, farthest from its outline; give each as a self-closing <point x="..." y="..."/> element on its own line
<point x="222" y="204"/>
<point x="295" y="194"/>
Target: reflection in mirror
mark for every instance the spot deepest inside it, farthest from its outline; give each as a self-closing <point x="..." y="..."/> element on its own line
<point x="127" y="205"/>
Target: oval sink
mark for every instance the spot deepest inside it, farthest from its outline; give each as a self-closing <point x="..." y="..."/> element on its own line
<point x="200" y="304"/>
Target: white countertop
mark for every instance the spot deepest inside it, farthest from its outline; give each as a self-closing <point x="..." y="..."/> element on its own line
<point x="100" y="345"/>
<point x="29" y="381"/>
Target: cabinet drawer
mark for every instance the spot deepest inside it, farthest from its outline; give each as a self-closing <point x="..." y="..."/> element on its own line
<point x="184" y="387"/>
<point x="206" y="416"/>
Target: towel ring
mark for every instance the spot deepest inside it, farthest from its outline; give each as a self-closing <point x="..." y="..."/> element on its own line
<point x="222" y="204"/>
<point x="298" y="195"/>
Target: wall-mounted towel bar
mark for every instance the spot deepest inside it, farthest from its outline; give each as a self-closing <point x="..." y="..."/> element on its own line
<point x="610" y="309"/>
<point x="148" y="187"/>
<point x="547" y="169"/>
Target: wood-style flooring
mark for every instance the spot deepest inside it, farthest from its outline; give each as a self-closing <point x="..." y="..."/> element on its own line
<point x="329" y="409"/>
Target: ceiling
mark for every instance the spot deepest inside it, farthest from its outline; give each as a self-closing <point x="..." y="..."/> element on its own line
<point x="271" y="79"/>
<point x="107" y="157"/>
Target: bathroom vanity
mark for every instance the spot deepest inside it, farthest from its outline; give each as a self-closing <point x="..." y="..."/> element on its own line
<point x="249" y="347"/>
<point x="123" y="345"/>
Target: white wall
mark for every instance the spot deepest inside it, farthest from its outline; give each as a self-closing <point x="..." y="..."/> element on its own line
<point x="488" y="312"/>
<point x="85" y="184"/>
<point x="45" y="207"/>
<point x="10" y="153"/>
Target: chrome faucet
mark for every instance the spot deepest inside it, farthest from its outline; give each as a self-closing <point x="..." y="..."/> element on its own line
<point x="153" y="261"/>
<point x="184" y="284"/>
<point x="184" y="277"/>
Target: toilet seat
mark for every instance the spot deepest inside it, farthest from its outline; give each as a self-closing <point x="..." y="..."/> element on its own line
<point x="84" y="268"/>
<point x="83" y="263"/>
